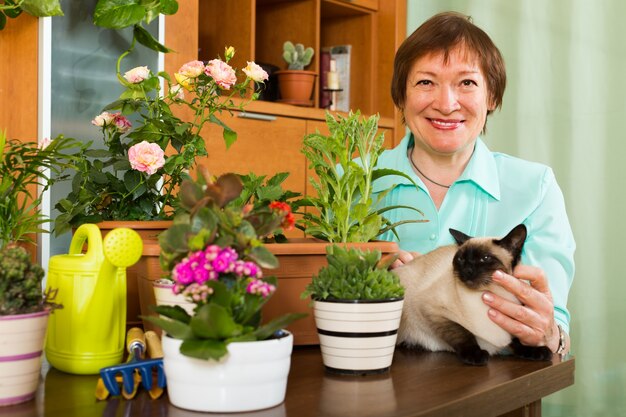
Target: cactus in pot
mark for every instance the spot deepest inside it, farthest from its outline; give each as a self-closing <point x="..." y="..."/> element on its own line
<point x="297" y="56"/>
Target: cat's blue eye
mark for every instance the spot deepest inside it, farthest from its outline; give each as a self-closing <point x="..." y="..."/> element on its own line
<point x="485" y="258"/>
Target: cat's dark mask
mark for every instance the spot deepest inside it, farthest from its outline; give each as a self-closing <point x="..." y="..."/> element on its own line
<point x="475" y="262"/>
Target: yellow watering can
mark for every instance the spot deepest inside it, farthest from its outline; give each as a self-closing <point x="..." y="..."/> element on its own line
<point x="88" y="332"/>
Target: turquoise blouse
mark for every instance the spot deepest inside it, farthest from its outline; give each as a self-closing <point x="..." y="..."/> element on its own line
<point x="495" y="193"/>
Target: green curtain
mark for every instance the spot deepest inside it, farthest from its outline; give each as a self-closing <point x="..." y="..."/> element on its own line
<point x="565" y="106"/>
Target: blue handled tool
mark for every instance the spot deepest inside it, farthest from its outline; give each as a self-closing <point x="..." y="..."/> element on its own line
<point x="137" y="370"/>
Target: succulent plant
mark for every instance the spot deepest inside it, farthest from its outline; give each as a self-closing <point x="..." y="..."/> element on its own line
<point x="297" y="56"/>
<point x="20" y="282"/>
<point x="354" y="274"/>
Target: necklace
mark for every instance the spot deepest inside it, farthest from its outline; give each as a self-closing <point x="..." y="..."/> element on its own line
<point x="410" y="156"/>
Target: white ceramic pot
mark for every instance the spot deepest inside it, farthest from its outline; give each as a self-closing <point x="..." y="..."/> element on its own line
<point x="21" y="345"/>
<point x="164" y="295"/>
<point x="358" y="336"/>
<point x="252" y="376"/>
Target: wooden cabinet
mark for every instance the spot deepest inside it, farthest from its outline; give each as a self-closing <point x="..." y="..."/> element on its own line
<point x="258" y="28"/>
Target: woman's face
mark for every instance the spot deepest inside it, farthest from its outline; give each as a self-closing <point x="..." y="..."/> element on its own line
<point x="446" y="103"/>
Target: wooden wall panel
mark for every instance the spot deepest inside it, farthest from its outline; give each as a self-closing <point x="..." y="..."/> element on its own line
<point x="18" y="78"/>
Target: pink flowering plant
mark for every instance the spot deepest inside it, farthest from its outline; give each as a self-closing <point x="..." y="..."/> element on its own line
<point x="149" y="145"/>
<point x="215" y="253"/>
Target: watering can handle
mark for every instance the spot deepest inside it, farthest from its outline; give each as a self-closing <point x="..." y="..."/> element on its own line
<point x="90" y="233"/>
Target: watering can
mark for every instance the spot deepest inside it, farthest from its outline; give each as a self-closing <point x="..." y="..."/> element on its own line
<point x="88" y="332"/>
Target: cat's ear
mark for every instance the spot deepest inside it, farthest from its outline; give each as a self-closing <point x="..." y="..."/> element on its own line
<point x="460" y="237"/>
<point x="514" y="241"/>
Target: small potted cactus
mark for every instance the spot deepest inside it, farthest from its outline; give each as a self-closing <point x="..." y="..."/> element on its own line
<point x="295" y="84"/>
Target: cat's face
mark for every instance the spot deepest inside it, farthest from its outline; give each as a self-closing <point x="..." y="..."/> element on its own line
<point x="478" y="258"/>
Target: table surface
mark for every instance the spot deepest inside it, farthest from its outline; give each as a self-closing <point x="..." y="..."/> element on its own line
<point x="418" y="384"/>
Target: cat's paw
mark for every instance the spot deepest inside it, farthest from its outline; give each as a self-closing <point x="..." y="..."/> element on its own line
<point x="533" y="353"/>
<point x="475" y="357"/>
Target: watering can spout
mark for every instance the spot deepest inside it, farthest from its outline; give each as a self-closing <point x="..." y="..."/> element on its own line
<point x="89" y="333"/>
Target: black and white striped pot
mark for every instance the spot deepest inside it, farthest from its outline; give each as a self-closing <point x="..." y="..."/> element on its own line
<point x="356" y="336"/>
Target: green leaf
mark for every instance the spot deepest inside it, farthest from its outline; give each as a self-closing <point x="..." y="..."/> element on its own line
<point x="175" y="328"/>
<point x="42" y="8"/>
<point x="3" y="20"/>
<point x="214" y="322"/>
<point x="204" y="349"/>
<point x="262" y="256"/>
<point x="146" y="39"/>
<point x="98" y="153"/>
<point x="169" y="6"/>
<point x="267" y="330"/>
<point x="132" y="179"/>
<point x="173" y="312"/>
<point x="118" y="14"/>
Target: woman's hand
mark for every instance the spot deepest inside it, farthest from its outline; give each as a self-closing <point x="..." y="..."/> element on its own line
<point x="404" y="257"/>
<point x="532" y="322"/>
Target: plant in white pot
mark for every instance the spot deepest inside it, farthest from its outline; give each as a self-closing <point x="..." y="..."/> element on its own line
<point x="24" y="308"/>
<point x="221" y="359"/>
<point x="357" y="304"/>
<point x="343" y="208"/>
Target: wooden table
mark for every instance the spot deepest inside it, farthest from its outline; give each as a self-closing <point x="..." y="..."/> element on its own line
<point x="419" y="384"/>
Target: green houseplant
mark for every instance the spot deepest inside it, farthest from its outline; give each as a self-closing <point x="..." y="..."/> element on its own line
<point x="215" y="252"/>
<point x="356" y="294"/>
<point x="344" y="209"/>
<point x="295" y="84"/>
<point x="346" y="206"/>
<point x="24" y="308"/>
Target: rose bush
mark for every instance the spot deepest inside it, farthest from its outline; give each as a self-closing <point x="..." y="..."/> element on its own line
<point x="149" y="148"/>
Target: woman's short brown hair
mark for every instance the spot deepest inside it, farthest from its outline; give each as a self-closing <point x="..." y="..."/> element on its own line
<point x="442" y="33"/>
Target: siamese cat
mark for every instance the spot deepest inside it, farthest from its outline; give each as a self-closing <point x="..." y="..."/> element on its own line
<point x="443" y="307"/>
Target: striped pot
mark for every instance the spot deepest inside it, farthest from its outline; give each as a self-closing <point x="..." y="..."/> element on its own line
<point x="21" y="345"/>
<point x="358" y="337"/>
<point x="164" y="295"/>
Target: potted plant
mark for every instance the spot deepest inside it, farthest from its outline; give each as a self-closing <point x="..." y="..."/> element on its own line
<point x="221" y="358"/>
<point x="257" y="192"/>
<point x="24" y="308"/>
<point x="357" y="305"/>
<point x="151" y="140"/>
<point x="344" y="209"/>
<point x="295" y="85"/>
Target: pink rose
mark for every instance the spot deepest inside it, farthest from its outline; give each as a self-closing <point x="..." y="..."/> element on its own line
<point x="222" y="73"/>
<point x="146" y="157"/>
<point x="187" y="74"/>
<point x="137" y="75"/>
<point x="191" y="69"/>
<point x="255" y="72"/>
<point x="121" y="123"/>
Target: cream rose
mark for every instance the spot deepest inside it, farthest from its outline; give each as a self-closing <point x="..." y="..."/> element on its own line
<point x="137" y="75"/>
<point x="255" y="72"/>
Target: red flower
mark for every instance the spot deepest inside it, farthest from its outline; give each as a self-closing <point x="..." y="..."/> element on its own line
<point x="284" y="209"/>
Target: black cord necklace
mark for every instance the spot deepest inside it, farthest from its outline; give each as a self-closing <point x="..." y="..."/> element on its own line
<point x="410" y="156"/>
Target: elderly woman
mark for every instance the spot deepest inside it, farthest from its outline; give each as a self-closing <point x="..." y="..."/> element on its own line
<point x="448" y="77"/>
